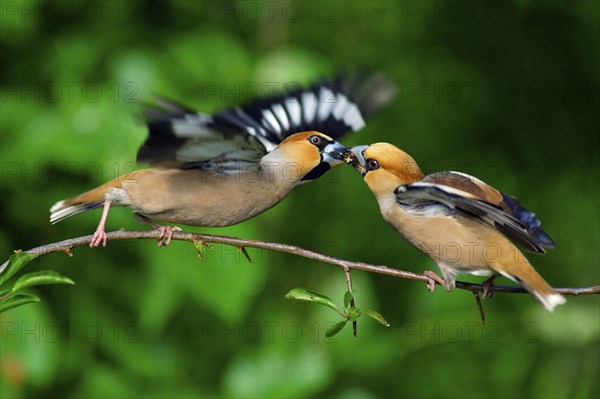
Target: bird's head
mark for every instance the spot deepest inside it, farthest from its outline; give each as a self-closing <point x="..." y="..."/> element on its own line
<point x="306" y="156"/>
<point x="383" y="166"/>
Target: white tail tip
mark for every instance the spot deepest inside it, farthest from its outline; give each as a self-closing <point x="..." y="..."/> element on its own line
<point x="552" y="300"/>
<point x="57" y="206"/>
<point x="61" y="211"/>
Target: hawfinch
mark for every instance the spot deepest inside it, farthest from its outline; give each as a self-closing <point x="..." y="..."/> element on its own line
<point x="219" y="170"/>
<point x="461" y="223"/>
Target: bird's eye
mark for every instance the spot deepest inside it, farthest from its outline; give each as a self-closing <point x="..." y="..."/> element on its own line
<point x="316" y="140"/>
<point x="373" y="164"/>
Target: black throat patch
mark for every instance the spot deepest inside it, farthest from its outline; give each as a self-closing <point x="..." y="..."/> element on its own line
<point x="317" y="171"/>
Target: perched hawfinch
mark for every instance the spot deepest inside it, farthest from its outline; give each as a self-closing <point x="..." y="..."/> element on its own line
<point x="461" y="223"/>
<point x="219" y="170"/>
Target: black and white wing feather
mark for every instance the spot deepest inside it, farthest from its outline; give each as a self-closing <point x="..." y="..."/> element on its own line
<point x="179" y="137"/>
<point x="331" y="107"/>
<point x="235" y="139"/>
<point x="521" y="227"/>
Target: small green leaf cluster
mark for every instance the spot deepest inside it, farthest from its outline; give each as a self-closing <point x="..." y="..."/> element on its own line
<point x="350" y="313"/>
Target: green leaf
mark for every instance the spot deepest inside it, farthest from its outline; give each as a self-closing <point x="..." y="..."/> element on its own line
<point x="40" y="278"/>
<point x="17" y="300"/>
<point x="15" y="263"/>
<point x="301" y="294"/>
<point x="353" y="313"/>
<point x="377" y="317"/>
<point x="336" y="328"/>
<point x="347" y="298"/>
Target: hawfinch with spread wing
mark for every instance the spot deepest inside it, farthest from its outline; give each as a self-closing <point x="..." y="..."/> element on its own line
<point x="219" y="170"/>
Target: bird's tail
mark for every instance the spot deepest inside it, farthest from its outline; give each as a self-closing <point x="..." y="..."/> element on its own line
<point x="547" y="296"/>
<point x="83" y="202"/>
<point x="523" y="273"/>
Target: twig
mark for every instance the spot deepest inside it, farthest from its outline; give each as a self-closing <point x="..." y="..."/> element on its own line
<point x="350" y="289"/>
<point x="479" y="306"/>
<point x="66" y="245"/>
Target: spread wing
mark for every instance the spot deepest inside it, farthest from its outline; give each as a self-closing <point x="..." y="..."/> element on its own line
<point x="235" y="139"/>
<point x="449" y="192"/>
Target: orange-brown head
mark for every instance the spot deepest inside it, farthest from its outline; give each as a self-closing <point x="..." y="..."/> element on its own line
<point x="384" y="167"/>
<point x="305" y="156"/>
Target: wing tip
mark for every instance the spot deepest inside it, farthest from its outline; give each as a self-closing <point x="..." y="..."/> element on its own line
<point x="528" y="219"/>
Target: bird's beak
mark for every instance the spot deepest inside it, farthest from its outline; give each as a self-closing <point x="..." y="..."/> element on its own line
<point x="332" y="154"/>
<point x="354" y="156"/>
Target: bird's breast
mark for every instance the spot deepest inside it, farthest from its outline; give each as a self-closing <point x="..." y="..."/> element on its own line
<point x="198" y="198"/>
<point x="454" y="241"/>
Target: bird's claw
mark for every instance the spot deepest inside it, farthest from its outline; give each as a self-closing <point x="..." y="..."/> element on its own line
<point x="98" y="237"/>
<point x="488" y="287"/>
<point x="432" y="279"/>
<point x="166" y="234"/>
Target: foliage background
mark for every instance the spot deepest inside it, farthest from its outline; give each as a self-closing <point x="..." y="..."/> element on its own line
<point x="507" y="91"/>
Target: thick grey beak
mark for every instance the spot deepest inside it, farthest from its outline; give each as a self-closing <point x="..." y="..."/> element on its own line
<point x="332" y="153"/>
<point x="354" y="156"/>
<point x="331" y="157"/>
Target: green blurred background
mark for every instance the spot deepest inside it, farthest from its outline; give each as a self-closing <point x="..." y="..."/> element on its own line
<point x="506" y="91"/>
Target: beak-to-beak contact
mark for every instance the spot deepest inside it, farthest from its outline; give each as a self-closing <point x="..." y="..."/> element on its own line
<point x="354" y="156"/>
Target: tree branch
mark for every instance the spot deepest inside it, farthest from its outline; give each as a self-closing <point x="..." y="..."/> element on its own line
<point x="67" y="245"/>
